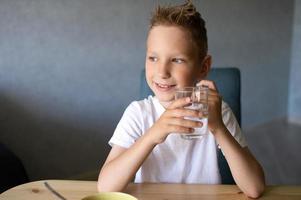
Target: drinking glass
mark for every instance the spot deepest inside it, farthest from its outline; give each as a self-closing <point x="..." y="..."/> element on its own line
<point x="199" y="98"/>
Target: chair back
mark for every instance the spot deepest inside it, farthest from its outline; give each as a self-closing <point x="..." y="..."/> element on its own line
<point x="228" y="82"/>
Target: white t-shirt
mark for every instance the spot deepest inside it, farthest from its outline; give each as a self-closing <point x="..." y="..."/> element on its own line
<point x="175" y="160"/>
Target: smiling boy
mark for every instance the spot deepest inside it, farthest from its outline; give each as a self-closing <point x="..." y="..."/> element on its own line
<point x="145" y="144"/>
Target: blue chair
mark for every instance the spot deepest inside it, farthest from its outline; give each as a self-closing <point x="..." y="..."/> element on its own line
<point x="228" y="83"/>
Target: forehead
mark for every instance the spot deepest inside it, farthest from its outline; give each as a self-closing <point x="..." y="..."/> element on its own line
<point x="172" y="39"/>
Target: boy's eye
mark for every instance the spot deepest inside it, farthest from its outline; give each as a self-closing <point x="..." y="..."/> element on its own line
<point x="178" y="60"/>
<point x="153" y="58"/>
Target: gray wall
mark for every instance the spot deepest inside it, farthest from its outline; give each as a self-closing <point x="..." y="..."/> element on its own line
<point x="256" y="37"/>
<point x="295" y="75"/>
<point x="68" y="69"/>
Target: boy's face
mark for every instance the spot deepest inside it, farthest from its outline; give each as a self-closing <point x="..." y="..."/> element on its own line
<point x="172" y="61"/>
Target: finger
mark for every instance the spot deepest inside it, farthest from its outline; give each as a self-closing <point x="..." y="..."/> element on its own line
<point x="214" y="97"/>
<point x="188" y="123"/>
<point x="179" y="103"/>
<point x="184" y="112"/>
<point x="208" y="83"/>
<point x="203" y="114"/>
<point x="213" y="92"/>
<point x="180" y="129"/>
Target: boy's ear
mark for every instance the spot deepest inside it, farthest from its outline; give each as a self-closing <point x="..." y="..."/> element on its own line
<point x="206" y="65"/>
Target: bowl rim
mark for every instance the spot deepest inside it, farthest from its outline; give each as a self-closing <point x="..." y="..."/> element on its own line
<point x="108" y="193"/>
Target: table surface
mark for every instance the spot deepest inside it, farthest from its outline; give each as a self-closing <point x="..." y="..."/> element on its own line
<point x="76" y="190"/>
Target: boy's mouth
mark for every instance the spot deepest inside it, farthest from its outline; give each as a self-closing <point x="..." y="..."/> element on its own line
<point x="164" y="86"/>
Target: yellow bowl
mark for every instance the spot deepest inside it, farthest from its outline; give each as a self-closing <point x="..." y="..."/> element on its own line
<point x="110" y="196"/>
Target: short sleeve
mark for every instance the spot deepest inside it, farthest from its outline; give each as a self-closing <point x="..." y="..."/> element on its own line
<point x="128" y="129"/>
<point x="232" y="125"/>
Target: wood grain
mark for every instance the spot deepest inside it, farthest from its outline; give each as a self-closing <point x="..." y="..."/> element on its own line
<point x="76" y="190"/>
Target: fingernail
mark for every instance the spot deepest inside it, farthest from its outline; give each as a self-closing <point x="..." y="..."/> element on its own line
<point x="188" y="99"/>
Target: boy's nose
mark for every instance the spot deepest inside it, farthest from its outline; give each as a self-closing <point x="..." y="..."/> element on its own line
<point x="163" y="70"/>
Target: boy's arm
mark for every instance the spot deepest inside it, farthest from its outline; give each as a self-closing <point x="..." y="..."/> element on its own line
<point x="122" y="164"/>
<point x="245" y="169"/>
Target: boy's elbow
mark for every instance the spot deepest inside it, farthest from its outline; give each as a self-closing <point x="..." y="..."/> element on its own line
<point x="255" y="192"/>
<point x="99" y="186"/>
<point x="103" y="186"/>
<point x="103" y="183"/>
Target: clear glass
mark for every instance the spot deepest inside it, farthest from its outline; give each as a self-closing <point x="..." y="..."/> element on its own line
<point x="199" y="96"/>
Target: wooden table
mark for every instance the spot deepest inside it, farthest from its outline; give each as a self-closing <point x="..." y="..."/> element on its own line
<point x="76" y="190"/>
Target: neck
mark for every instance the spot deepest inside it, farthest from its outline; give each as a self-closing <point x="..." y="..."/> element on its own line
<point x="165" y="104"/>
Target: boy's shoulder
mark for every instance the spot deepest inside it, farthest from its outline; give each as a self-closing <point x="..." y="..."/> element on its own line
<point x="227" y="114"/>
<point x="225" y="106"/>
<point x="145" y="104"/>
<point x="147" y="108"/>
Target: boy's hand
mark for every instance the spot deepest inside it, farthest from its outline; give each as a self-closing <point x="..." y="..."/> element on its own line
<point x="215" y="120"/>
<point x="172" y="121"/>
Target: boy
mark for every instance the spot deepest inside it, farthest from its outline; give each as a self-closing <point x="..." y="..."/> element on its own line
<point x="143" y="144"/>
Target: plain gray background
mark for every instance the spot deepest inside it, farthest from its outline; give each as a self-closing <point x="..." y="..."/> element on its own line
<point x="295" y="73"/>
<point x="69" y="68"/>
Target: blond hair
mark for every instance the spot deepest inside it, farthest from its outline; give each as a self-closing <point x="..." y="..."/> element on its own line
<point x="185" y="16"/>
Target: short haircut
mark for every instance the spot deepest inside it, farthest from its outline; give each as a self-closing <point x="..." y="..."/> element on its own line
<point x="185" y="16"/>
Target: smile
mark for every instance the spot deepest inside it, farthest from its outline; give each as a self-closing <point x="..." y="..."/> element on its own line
<point x="164" y="86"/>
